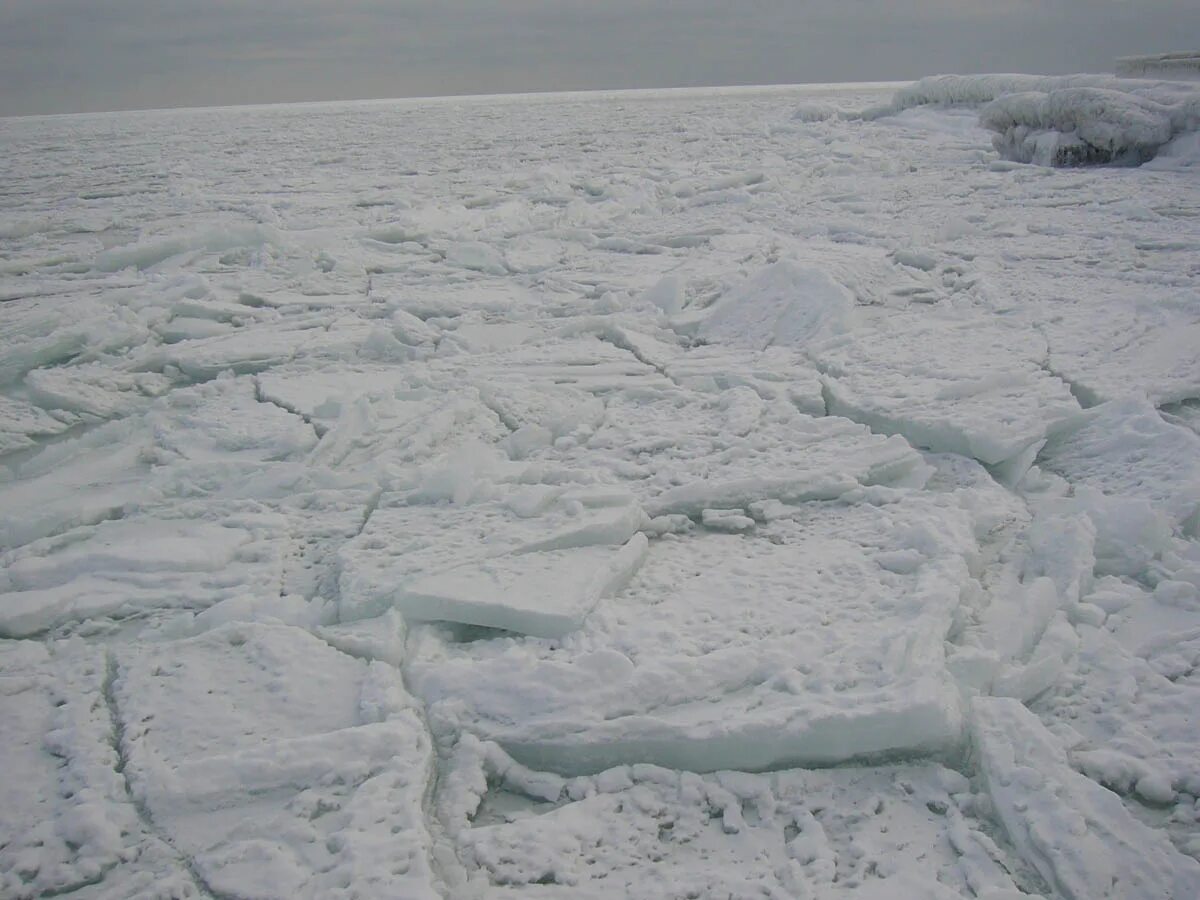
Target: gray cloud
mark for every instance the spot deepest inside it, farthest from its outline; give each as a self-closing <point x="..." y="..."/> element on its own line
<point x="76" y="55"/>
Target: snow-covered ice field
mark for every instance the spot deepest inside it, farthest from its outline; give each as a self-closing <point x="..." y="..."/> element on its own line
<point x="744" y="493"/>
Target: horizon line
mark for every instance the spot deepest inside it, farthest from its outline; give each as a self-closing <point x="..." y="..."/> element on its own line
<point x="548" y="94"/>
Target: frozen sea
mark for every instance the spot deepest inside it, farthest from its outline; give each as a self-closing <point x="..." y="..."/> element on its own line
<point x="730" y="493"/>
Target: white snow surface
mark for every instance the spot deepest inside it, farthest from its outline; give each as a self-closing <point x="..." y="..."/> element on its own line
<point x="725" y="493"/>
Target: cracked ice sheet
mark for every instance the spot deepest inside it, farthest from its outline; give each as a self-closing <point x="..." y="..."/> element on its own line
<point x="644" y="832"/>
<point x="224" y="420"/>
<point x="1124" y="712"/>
<point x="265" y="253"/>
<point x="831" y="651"/>
<point x="1078" y="835"/>
<point x="278" y="765"/>
<point x="22" y="423"/>
<point x="214" y="434"/>
<point x="39" y="334"/>
<point x="775" y="372"/>
<point x="1111" y="347"/>
<point x="406" y="547"/>
<point x="131" y="566"/>
<point x="585" y="363"/>
<point x="185" y="554"/>
<point x="95" y="389"/>
<point x="965" y="384"/>
<point x="392" y="430"/>
<point x="1125" y="448"/>
<point x="320" y="394"/>
<point x="683" y="453"/>
<point x="69" y="823"/>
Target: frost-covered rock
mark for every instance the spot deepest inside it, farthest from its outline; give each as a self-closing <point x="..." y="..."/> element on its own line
<point x="1065" y="120"/>
<point x="1078" y="127"/>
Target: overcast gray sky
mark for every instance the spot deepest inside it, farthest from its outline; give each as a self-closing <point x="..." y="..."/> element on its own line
<point x="81" y="55"/>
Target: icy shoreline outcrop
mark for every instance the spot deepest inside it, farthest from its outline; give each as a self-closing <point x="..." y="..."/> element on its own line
<point x="1160" y="65"/>
<point x="1066" y="120"/>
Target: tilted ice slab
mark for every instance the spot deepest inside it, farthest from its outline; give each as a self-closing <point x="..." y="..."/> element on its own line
<point x="172" y="553"/>
<point x="585" y="363"/>
<point x="971" y="386"/>
<point x="1079" y="835"/>
<point x="22" y="424"/>
<point x="460" y="561"/>
<point x="244" y="351"/>
<point x="819" y="644"/>
<point x="152" y="251"/>
<point x="785" y="304"/>
<point x="269" y="793"/>
<point x="449" y="297"/>
<point x="41" y="332"/>
<point x="187" y="446"/>
<point x="126" y="566"/>
<point x="1125" y="448"/>
<point x="543" y="594"/>
<point x="263" y="346"/>
<point x="79" y="481"/>
<point x="396" y="428"/>
<point x="775" y="372"/>
<point x="224" y="420"/>
<point x="1111" y="350"/>
<point x="688" y="453"/>
<point x="1186" y="414"/>
<point x="95" y="389"/>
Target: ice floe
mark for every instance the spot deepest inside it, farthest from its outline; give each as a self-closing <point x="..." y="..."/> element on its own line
<point x="761" y="492"/>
